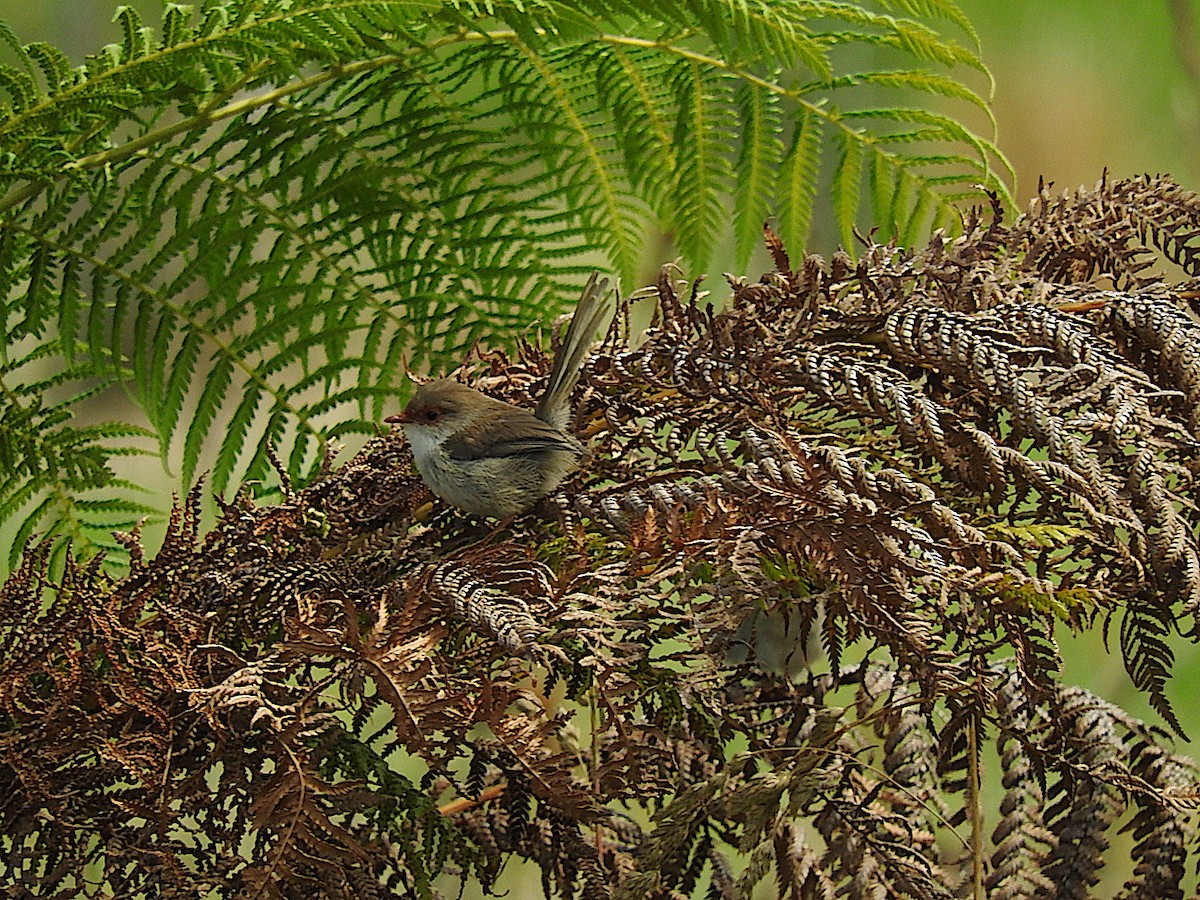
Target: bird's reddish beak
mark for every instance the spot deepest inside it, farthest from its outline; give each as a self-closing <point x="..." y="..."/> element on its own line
<point x="399" y="418"/>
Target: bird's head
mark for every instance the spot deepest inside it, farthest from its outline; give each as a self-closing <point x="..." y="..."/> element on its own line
<point x="440" y="408"/>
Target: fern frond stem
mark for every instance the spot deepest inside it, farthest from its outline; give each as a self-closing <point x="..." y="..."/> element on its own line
<point x="618" y="40"/>
<point x="66" y="502"/>
<point x="19" y="195"/>
<point x="248" y="104"/>
<point x="593" y="764"/>
<point x="223" y="347"/>
<point x="975" y="799"/>
<point x="286" y="837"/>
<point x="233" y="87"/>
<point x="463" y="804"/>
<point x="202" y="120"/>
<point x="8" y="393"/>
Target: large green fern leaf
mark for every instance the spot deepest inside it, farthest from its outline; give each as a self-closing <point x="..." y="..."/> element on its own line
<point x="248" y="220"/>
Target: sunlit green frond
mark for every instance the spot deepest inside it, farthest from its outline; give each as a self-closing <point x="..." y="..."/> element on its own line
<point x="920" y="81"/>
<point x="631" y="86"/>
<point x="935" y="10"/>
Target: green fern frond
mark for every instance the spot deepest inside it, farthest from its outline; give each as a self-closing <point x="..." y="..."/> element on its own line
<point x="911" y="193"/>
<point x="845" y="190"/>
<point x="56" y="478"/>
<point x="933" y="11"/>
<point x="799" y="176"/>
<point x="702" y="132"/>
<point x="631" y="85"/>
<point x="749" y="31"/>
<point x="250" y="221"/>
<point x="1040" y="535"/>
<point x="916" y="80"/>
<point x="759" y="155"/>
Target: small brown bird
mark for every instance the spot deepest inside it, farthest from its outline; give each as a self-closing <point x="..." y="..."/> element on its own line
<point x="489" y="457"/>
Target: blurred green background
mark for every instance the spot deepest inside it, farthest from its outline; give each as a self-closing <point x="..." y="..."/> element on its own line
<point x="1085" y="84"/>
<point x="1080" y="86"/>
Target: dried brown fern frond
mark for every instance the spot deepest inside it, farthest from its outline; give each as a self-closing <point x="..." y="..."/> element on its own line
<point x="792" y="624"/>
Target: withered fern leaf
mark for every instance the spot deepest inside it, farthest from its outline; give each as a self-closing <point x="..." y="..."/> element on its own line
<point x="926" y="462"/>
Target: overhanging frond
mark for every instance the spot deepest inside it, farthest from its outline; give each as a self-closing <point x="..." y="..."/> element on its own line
<point x="249" y="220"/>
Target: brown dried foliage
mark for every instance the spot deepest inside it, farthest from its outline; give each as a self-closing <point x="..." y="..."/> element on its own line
<point x="812" y="568"/>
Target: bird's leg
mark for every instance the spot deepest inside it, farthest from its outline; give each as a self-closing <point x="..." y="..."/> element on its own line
<point x="502" y="525"/>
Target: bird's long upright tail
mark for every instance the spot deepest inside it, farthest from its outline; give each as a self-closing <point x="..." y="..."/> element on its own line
<point x="555" y="407"/>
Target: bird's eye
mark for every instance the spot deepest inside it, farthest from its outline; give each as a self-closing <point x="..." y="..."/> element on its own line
<point x="432" y="415"/>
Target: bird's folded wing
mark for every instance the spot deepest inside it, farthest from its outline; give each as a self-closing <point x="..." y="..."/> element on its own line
<point x="496" y="438"/>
